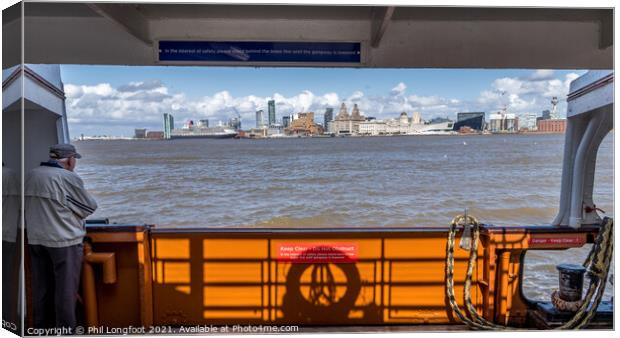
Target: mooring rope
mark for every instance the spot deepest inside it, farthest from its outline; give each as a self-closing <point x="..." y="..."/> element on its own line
<point x="597" y="263"/>
<point x="474" y="323"/>
<point x="471" y="264"/>
<point x="564" y="305"/>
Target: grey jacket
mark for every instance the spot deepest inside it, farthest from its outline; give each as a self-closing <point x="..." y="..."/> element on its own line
<point x="56" y="205"/>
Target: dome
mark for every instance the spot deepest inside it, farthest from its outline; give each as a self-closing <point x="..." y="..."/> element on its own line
<point x="343" y="114"/>
<point x="355" y="113"/>
<point x="404" y="119"/>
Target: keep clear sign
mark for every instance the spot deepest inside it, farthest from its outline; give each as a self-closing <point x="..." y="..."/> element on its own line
<point x="212" y="51"/>
<point x="342" y="252"/>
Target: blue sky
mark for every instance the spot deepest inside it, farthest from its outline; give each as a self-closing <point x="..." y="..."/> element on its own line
<point x="113" y="100"/>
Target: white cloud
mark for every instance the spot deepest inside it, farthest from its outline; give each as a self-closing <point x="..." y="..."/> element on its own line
<point x="532" y="93"/>
<point x="399" y="89"/>
<point x="72" y="91"/>
<point x="329" y="100"/>
<point x="356" y="97"/>
<point x="541" y="75"/>
<point x="102" y="89"/>
<point x="142" y="103"/>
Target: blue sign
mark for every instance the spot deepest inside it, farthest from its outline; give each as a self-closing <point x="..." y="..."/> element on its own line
<point x="243" y="51"/>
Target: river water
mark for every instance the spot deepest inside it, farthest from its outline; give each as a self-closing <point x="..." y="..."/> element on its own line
<point x="405" y="181"/>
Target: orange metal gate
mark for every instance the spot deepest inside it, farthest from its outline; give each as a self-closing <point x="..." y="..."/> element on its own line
<point x="239" y="276"/>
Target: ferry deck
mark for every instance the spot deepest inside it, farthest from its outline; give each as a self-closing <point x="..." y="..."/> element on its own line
<point x="141" y="275"/>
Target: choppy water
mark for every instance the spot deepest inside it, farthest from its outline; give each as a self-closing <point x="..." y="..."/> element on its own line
<point x="332" y="182"/>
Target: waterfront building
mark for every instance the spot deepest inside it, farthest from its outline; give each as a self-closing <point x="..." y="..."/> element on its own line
<point x="546" y="115"/>
<point x="495" y="123"/>
<point x="404" y="119"/>
<point x="286" y="121"/>
<point x="416" y="118"/>
<point x="403" y="126"/>
<point x="139" y="133"/>
<point x="258" y="132"/>
<point x="328" y="117"/>
<point x="339" y="124"/>
<point x="551" y="126"/>
<point x="343" y="114"/>
<point x="168" y="125"/>
<point x="438" y="128"/>
<point x="435" y="120"/>
<point x="345" y="123"/>
<point x="503" y="123"/>
<point x="372" y="127"/>
<point x="155" y="135"/>
<point x="275" y="130"/>
<point x="304" y="125"/>
<point x="463" y="116"/>
<point x="472" y="120"/>
<point x="528" y="122"/>
<point x="271" y="109"/>
<point x="392" y="126"/>
<point x="516" y="123"/>
<point x="260" y="119"/>
<point x="234" y="123"/>
<point x="355" y="114"/>
<point x="398" y="126"/>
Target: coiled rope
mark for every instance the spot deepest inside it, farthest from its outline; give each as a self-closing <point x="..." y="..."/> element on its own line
<point x="563" y="305"/>
<point x="597" y="264"/>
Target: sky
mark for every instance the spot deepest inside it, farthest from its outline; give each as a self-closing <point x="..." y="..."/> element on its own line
<point x="114" y="100"/>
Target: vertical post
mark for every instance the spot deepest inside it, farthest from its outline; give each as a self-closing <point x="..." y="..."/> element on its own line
<point x="605" y="126"/>
<point x="145" y="276"/>
<point x="567" y="169"/>
<point x="578" y="175"/>
<point x="88" y="290"/>
<point x="504" y="288"/>
<point x="196" y="260"/>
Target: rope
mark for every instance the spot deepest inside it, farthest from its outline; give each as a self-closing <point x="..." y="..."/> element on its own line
<point x="471" y="264"/>
<point x="564" y="305"/>
<point x="597" y="262"/>
<point x="478" y="322"/>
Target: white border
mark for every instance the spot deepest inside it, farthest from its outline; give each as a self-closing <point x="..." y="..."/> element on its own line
<point x="445" y="3"/>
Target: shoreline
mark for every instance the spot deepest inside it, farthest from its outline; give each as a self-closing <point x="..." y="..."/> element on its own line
<point x="325" y="136"/>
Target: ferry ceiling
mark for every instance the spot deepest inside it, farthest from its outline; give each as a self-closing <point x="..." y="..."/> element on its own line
<point x="388" y="37"/>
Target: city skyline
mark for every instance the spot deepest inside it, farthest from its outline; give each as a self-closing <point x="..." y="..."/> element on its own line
<point x="99" y="104"/>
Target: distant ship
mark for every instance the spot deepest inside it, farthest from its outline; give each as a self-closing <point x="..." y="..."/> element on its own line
<point x="190" y="130"/>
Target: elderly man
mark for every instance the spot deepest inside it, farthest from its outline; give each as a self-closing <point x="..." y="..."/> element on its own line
<point x="56" y="205"/>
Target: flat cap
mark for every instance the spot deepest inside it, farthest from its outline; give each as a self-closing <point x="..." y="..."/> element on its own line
<point x="63" y="150"/>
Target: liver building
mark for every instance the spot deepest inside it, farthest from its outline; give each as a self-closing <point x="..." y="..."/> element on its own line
<point x="345" y="123"/>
